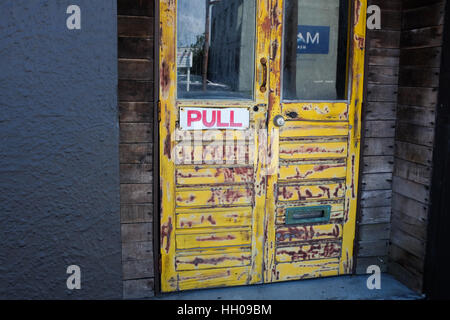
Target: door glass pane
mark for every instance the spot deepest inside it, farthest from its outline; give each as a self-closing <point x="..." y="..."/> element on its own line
<point x="315" y="50"/>
<point x="215" y="49"/>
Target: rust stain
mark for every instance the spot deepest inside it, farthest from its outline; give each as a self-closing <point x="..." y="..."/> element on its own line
<point x="321" y="126"/>
<point x="165" y="77"/>
<point x="326" y="190"/>
<point x="357" y="11"/>
<point x="310" y="150"/>
<point x="203" y="277"/>
<point x="308" y="194"/>
<point x="356" y="120"/>
<point x="215" y="261"/>
<point x="232" y="216"/>
<point x="347" y="263"/>
<point x="317" y="168"/>
<point x="261" y="187"/>
<point x="297" y="233"/>
<point x="211" y="220"/>
<point x="360" y="42"/>
<point x="274" y="50"/>
<point x="190" y="199"/>
<point x="346" y="215"/>
<point x="168" y="139"/>
<point x="265" y="25"/>
<point x="229" y="174"/>
<point x="353" y="176"/>
<point x="314" y="251"/>
<point x="316" y="108"/>
<point x="275" y="16"/>
<point x="242" y="275"/>
<point x="286" y="194"/>
<point x="305" y="233"/>
<point x="216" y="238"/>
<point x="189" y="223"/>
<point x="246" y="174"/>
<point x="161" y="35"/>
<point x="227" y="196"/>
<point x="166" y="231"/>
<point x="272" y="102"/>
<point x="323" y="167"/>
<point x="336" y="191"/>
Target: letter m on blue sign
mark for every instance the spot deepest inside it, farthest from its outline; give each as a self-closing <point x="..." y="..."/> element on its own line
<point x="313" y="39"/>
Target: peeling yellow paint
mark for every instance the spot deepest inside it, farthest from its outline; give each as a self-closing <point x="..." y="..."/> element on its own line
<point x="223" y="223"/>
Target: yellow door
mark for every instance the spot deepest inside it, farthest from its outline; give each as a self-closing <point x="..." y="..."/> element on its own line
<point x="260" y="104"/>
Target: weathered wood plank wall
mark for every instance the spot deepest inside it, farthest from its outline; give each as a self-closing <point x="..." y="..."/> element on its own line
<point x="379" y="115"/>
<point x="420" y="57"/>
<point x="136" y="65"/>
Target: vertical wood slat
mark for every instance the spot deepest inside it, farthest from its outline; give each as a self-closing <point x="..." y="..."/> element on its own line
<point x="379" y="131"/>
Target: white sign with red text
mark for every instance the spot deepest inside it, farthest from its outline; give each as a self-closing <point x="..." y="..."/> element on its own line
<point x="212" y="118"/>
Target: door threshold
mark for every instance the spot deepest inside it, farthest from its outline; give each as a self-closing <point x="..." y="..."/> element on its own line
<point x="332" y="288"/>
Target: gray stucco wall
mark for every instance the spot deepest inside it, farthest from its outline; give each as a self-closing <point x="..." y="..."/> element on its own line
<point x="59" y="137"/>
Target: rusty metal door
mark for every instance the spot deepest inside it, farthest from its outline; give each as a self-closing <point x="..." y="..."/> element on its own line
<point x="258" y="176"/>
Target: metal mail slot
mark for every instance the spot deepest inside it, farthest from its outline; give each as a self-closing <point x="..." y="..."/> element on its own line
<point x="302" y="215"/>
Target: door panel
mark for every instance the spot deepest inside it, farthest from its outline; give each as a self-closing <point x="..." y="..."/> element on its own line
<point x="316" y="190"/>
<point x="212" y="238"/>
<point x="220" y="277"/>
<point x="199" y="261"/>
<point x="306" y="269"/>
<point x="274" y="201"/>
<point x="203" y="218"/>
<point x="319" y="130"/>
<point x="305" y="252"/>
<point x="303" y="171"/>
<point x="314" y="148"/>
<point x="316" y="111"/>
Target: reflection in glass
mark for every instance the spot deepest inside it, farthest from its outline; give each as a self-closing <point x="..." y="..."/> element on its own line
<point x="315" y="50"/>
<point x="215" y="49"/>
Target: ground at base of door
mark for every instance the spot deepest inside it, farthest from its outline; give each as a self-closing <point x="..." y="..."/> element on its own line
<point x="334" y="288"/>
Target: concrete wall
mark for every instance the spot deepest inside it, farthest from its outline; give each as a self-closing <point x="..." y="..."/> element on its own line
<point x="59" y="159"/>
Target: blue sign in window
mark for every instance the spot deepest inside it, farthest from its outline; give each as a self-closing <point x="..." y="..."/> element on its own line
<point x="313" y="39"/>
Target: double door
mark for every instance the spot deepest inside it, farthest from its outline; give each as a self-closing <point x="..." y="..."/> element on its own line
<point x="260" y="112"/>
